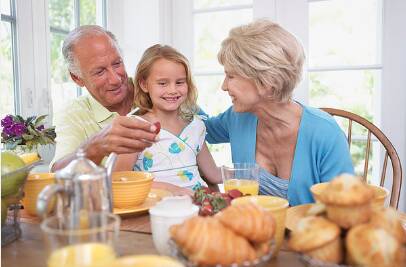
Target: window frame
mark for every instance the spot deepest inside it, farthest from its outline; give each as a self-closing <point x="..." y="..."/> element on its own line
<point x="76" y="17"/>
<point x="14" y="47"/>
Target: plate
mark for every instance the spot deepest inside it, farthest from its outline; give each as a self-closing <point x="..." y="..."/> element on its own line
<point x="318" y="263"/>
<point x="153" y="197"/>
<point x="294" y="214"/>
<point x="177" y="253"/>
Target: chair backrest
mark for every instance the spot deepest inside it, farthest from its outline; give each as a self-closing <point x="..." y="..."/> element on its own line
<point x="390" y="150"/>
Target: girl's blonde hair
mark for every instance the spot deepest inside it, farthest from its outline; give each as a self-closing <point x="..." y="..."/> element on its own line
<point x="266" y="53"/>
<point x="142" y="99"/>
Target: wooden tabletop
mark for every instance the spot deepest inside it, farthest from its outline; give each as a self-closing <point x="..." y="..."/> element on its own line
<point x="29" y="250"/>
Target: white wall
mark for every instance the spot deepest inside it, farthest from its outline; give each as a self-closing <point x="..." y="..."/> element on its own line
<point x="136" y="26"/>
<point x="394" y="82"/>
<point x="282" y="12"/>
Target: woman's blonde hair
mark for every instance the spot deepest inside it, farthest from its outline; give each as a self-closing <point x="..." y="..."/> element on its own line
<point x="142" y="99"/>
<point x="266" y="53"/>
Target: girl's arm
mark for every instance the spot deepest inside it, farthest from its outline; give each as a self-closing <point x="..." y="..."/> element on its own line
<point x="207" y="166"/>
<point x="125" y="162"/>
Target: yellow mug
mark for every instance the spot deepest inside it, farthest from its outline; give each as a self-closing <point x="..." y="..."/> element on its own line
<point x="35" y="183"/>
<point x="277" y="207"/>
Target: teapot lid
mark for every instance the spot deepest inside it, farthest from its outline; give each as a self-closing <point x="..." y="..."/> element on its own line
<point x="79" y="166"/>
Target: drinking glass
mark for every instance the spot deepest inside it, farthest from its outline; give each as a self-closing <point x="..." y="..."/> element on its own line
<point x="241" y="176"/>
<point x="90" y="244"/>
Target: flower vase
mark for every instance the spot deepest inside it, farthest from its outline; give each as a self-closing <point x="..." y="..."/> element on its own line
<point x="24" y="149"/>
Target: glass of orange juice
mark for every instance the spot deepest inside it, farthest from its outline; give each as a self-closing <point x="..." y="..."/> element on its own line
<point x="241" y="176"/>
<point x="89" y="245"/>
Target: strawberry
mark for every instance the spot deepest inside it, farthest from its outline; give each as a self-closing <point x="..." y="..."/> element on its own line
<point x="206" y="210"/>
<point x="158" y="127"/>
<point x="205" y="189"/>
<point x="234" y="193"/>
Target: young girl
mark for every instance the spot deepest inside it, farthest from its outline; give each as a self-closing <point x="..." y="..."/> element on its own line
<point x="165" y="93"/>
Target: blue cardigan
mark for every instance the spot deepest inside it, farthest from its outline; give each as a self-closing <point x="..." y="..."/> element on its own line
<point x="321" y="151"/>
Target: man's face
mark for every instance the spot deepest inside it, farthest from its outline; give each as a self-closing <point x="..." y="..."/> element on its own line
<point x="102" y="71"/>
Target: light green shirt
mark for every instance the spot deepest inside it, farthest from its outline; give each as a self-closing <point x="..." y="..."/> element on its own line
<point x="76" y="122"/>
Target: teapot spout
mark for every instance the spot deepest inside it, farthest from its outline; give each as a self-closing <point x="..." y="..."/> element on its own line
<point x="110" y="162"/>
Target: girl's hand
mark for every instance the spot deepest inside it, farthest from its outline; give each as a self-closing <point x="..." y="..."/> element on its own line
<point x="174" y="189"/>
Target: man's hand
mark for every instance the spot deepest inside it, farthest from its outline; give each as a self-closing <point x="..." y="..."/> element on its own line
<point x="124" y="135"/>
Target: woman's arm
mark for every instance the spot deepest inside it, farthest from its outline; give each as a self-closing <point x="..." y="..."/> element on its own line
<point x="125" y="162"/>
<point x="336" y="157"/>
<point x="217" y="127"/>
<point x="207" y="166"/>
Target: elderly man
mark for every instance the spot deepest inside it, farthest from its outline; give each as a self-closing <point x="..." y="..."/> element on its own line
<point x="97" y="123"/>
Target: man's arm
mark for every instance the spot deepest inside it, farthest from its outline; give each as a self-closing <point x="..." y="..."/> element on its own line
<point x="123" y="136"/>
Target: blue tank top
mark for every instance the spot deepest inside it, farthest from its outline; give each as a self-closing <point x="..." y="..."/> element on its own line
<point x="272" y="185"/>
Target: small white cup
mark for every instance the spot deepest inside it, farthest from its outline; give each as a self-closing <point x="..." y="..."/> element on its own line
<point x="167" y="212"/>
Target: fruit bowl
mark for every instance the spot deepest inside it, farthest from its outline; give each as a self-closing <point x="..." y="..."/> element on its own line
<point x="12" y="191"/>
<point x="211" y="202"/>
<point x="13" y="182"/>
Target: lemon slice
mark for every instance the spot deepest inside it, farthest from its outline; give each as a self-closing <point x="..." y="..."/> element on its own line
<point x="30" y="158"/>
<point x="145" y="261"/>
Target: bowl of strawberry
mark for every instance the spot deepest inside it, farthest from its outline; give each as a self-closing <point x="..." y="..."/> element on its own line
<point x="210" y="202"/>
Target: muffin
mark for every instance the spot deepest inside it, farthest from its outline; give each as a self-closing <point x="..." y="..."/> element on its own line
<point x="370" y="246"/>
<point x="348" y="200"/>
<point x="318" y="238"/>
<point x="389" y="220"/>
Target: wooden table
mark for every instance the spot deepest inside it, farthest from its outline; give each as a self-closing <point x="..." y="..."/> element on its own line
<point x="29" y="250"/>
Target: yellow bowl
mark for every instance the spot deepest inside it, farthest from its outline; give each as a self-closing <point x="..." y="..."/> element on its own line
<point x="145" y="261"/>
<point x="277" y="207"/>
<point x="130" y="189"/>
<point x="380" y="193"/>
<point x="36" y="182"/>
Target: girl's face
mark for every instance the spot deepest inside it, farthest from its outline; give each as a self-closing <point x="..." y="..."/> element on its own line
<point x="243" y="92"/>
<point x="166" y="84"/>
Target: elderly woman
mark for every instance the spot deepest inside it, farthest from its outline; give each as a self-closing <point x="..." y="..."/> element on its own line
<point x="296" y="146"/>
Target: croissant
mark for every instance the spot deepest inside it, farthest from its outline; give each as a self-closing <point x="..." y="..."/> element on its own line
<point x="249" y="221"/>
<point x="205" y="241"/>
<point x="262" y="249"/>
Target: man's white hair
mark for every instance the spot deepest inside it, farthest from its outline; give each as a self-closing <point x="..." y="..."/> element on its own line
<point x="77" y="34"/>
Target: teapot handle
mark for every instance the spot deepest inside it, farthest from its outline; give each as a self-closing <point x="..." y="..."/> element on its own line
<point x="109" y="164"/>
<point x="45" y="196"/>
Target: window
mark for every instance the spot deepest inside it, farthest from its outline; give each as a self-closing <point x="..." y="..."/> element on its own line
<point x="208" y="73"/>
<point x="65" y="15"/>
<point x="345" y="68"/>
<point x="8" y="63"/>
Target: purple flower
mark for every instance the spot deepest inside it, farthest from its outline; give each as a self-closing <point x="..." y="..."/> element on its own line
<point x="18" y="129"/>
<point x="41" y="127"/>
<point x="7" y="121"/>
<point x="8" y="131"/>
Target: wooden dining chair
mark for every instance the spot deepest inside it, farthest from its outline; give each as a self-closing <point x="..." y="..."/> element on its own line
<point x="381" y="137"/>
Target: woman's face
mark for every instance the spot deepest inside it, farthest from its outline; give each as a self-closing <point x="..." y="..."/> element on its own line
<point x="243" y="91"/>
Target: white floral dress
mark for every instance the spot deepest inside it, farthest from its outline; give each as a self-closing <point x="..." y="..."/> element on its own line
<point x="173" y="158"/>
